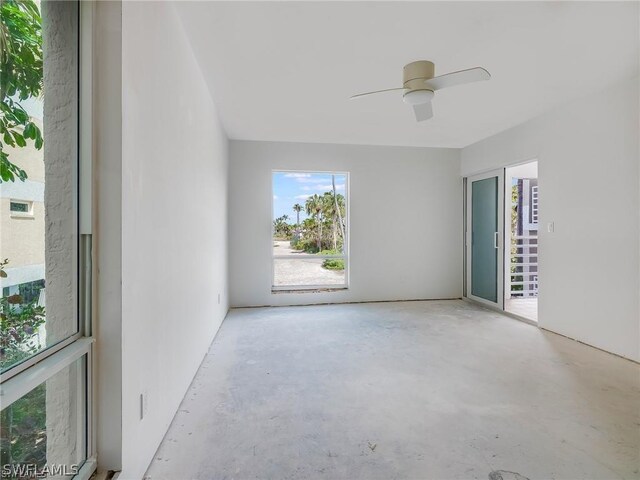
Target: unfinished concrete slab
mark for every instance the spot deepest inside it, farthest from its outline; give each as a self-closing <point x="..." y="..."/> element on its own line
<point x="420" y="390"/>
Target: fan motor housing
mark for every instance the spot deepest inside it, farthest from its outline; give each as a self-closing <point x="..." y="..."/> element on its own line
<point x="420" y="70"/>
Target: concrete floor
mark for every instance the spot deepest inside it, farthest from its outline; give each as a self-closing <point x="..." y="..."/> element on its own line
<point x="420" y="390"/>
<point x="525" y="307"/>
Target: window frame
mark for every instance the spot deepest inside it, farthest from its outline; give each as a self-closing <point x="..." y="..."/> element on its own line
<point x="18" y="213"/>
<point x="23" y="377"/>
<point x="275" y="289"/>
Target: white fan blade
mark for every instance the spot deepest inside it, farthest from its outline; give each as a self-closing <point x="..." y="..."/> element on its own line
<point x="423" y="111"/>
<point x="377" y="91"/>
<point x="457" y="78"/>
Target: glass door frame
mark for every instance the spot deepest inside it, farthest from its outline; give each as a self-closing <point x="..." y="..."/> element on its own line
<point x="499" y="174"/>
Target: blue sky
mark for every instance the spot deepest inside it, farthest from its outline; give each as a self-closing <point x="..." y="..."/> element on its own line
<point x="290" y="188"/>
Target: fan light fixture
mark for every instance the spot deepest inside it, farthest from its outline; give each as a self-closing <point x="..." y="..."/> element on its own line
<point x="419" y="84"/>
<point x="417" y="97"/>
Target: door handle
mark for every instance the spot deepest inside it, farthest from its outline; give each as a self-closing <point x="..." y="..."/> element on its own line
<point x="496" y="240"/>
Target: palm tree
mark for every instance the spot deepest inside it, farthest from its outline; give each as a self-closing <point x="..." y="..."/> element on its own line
<point x="314" y="206"/>
<point x="330" y="211"/>
<point x="280" y="226"/>
<point x="340" y="207"/>
<point x="334" y="209"/>
<point x="297" y="208"/>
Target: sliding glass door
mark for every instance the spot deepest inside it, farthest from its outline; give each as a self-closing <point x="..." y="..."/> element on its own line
<point x="484" y="237"/>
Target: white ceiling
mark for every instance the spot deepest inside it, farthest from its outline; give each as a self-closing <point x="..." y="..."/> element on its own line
<point x="284" y="71"/>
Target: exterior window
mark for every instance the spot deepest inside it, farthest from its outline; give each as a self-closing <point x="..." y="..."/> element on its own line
<point x="310" y="231"/>
<point x="42" y="430"/>
<point x="45" y="352"/>
<point x="20" y="207"/>
<point x="30" y="162"/>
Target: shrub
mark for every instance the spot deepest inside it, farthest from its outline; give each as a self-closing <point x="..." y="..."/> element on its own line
<point x="332" y="263"/>
<point x="307" y="245"/>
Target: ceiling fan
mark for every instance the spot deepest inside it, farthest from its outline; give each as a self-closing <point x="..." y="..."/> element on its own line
<point x="420" y="84"/>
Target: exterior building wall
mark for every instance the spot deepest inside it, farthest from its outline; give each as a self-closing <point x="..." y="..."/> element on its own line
<point x="60" y="33"/>
<point x="28" y="158"/>
<point x="22" y="235"/>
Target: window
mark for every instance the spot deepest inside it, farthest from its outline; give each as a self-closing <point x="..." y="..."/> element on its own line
<point x="310" y="231"/>
<point x="42" y="429"/>
<point x="45" y="334"/>
<point x="19" y="207"/>
<point x="29" y="163"/>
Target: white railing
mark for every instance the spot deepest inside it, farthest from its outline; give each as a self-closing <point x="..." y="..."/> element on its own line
<point x="534" y="204"/>
<point x="523" y="278"/>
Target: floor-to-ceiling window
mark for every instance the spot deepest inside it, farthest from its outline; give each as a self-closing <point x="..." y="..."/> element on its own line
<point x="45" y="335"/>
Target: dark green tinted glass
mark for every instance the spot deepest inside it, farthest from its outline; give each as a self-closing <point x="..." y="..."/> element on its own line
<point x="484" y="225"/>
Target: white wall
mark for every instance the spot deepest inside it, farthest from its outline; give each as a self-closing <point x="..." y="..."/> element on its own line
<point x="174" y="217"/>
<point x="406" y="220"/>
<point x="107" y="230"/>
<point x="588" y="154"/>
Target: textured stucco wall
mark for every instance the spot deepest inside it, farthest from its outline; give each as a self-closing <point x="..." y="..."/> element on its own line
<point x="60" y="151"/>
<point x="60" y="139"/>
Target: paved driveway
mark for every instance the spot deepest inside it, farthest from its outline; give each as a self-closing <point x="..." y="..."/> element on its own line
<point x="305" y="270"/>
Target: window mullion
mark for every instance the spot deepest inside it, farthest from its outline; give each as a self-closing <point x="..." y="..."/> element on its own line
<point x="19" y="385"/>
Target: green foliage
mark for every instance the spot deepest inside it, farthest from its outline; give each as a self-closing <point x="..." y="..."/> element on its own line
<point x="297" y="208"/>
<point x="24" y="430"/>
<point x="19" y="323"/>
<point x="332" y="263"/>
<point x="331" y="251"/>
<point x="297" y="243"/>
<point x="21" y="77"/>
<point x="303" y="238"/>
<point x="327" y="212"/>
<point x="23" y="423"/>
<point x="307" y="245"/>
<point x="281" y="229"/>
<point x="323" y="229"/>
<point x="18" y="329"/>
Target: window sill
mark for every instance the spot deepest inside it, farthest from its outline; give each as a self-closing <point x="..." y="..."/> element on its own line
<point x="25" y="216"/>
<point x="309" y="290"/>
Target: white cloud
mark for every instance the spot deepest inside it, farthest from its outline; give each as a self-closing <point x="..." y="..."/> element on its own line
<point x="322" y="188"/>
<point x="310" y="180"/>
<point x="297" y="175"/>
<point x="302" y="197"/>
<point x="310" y="177"/>
<point x="275" y="197"/>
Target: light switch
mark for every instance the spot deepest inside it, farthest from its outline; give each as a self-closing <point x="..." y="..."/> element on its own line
<point x="550" y="227"/>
